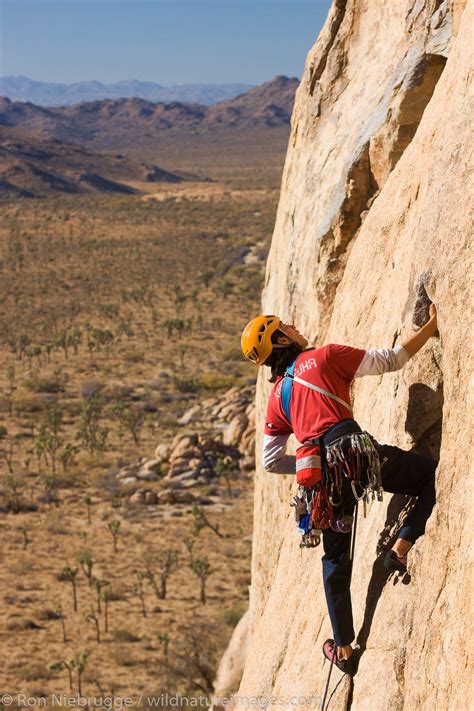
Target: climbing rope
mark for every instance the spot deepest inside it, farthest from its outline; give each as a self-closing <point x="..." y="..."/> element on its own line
<point x="334" y="652"/>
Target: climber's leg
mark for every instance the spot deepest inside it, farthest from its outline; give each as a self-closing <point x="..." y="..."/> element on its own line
<point x="336" y="576"/>
<point x="414" y="475"/>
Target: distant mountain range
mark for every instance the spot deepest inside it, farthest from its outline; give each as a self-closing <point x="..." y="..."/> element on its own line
<point x="117" y="124"/>
<point x="42" y="93"/>
<point x="93" y="146"/>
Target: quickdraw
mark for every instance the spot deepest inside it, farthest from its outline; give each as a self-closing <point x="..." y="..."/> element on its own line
<point x="303" y="503"/>
<point x="353" y="457"/>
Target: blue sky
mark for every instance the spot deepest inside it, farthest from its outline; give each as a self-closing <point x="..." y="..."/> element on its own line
<point x="165" y="41"/>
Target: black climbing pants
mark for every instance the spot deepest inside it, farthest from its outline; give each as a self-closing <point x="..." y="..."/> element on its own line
<point x="402" y="473"/>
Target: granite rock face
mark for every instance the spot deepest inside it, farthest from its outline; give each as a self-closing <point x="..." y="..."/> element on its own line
<point x="373" y="223"/>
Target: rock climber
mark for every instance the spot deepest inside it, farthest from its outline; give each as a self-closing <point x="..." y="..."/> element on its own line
<point x="319" y="413"/>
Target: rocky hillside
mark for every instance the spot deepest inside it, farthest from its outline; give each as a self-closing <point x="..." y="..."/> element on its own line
<point x="33" y="166"/>
<point x="375" y="200"/>
<point x="124" y="121"/>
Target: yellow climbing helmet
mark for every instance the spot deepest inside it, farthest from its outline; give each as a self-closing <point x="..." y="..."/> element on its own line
<point x="256" y="338"/>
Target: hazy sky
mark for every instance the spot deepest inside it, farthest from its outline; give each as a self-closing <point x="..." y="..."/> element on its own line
<point x="166" y="41"/>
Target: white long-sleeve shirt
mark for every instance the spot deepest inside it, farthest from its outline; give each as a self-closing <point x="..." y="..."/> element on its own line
<point x="376" y="361"/>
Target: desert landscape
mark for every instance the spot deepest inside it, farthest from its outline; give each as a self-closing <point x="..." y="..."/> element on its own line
<point x="146" y="554"/>
<point x="127" y="434"/>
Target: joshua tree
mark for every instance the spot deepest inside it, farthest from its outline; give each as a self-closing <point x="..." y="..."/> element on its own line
<point x="138" y="590"/>
<point x="68" y="455"/>
<point x="79" y="664"/>
<point x="103" y="337"/>
<point x="12" y="490"/>
<point x="50" y="491"/>
<point x="114" y="528"/>
<point x="182" y="350"/>
<point x="68" y="575"/>
<point x="190" y="542"/>
<point x="88" y="503"/>
<point x="130" y="419"/>
<point x="11" y="383"/>
<point x="48" y="440"/>
<point x="64" y="664"/>
<point x="11" y="378"/>
<point x="85" y="560"/>
<point x="60" y="616"/>
<point x="74" y="338"/>
<point x="205" y="277"/>
<point x="92" y="617"/>
<point x="224" y="468"/>
<point x="165" y="643"/>
<point x="201" y="521"/>
<point x="106" y="597"/>
<point x="167" y="562"/>
<point x="91" y="344"/>
<point x="194" y="659"/>
<point x="7" y="452"/>
<point x="91" y="433"/>
<point x="26" y="540"/>
<point x="63" y="341"/>
<point x="116" y="500"/>
<point x="203" y="570"/>
<point x="99" y="584"/>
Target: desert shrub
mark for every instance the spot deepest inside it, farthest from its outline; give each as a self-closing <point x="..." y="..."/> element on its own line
<point x="108" y="482"/>
<point x="91" y="388"/>
<point x="6" y="404"/>
<point x="169" y="423"/>
<point x="185" y="385"/>
<point x="216" y="381"/>
<point x="45" y="384"/>
<point x="123" y="635"/>
<point x="27" y="404"/>
<point x="119" y="392"/>
<point x="133" y="356"/>
<point x="35" y="671"/>
<point x="232" y="615"/>
<point x="122" y="657"/>
<point x="117" y="593"/>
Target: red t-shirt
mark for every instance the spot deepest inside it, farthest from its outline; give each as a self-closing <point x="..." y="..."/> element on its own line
<point x="331" y="367"/>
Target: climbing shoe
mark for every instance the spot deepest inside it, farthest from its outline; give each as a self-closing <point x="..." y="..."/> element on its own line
<point x="393" y="562"/>
<point x="347" y="666"/>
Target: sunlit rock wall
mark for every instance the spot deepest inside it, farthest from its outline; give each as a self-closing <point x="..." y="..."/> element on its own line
<point x="376" y="206"/>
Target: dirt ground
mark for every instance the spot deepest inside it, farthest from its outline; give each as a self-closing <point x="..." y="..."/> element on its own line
<point x="132" y="306"/>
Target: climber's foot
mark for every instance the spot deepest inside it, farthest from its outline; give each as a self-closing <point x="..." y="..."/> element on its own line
<point x="344" y="653"/>
<point x="348" y="666"/>
<point x="394" y="562"/>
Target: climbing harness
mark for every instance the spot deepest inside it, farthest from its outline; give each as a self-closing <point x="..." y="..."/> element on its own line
<point x="320" y="506"/>
<point x="354" y="457"/>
